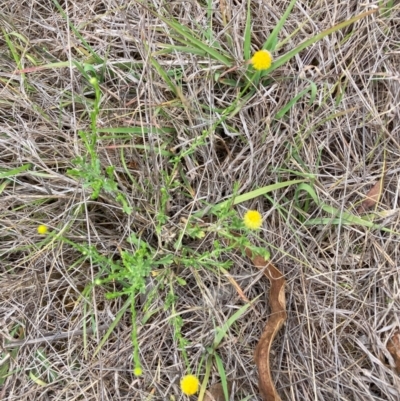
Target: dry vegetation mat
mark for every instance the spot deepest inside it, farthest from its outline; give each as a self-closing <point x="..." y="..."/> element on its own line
<point x="151" y="151"/>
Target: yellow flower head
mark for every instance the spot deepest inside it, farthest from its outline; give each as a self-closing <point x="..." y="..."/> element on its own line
<point x="261" y="60"/>
<point x="252" y="219"/>
<point x="42" y="229"/>
<point x="189" y="384"/>
<point x="137" y="371"/>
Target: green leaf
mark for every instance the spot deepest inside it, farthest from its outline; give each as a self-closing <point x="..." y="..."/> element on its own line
<point x="180" y="49"/>
<point x="189" y="36"/>
<point x="37" y="380"/>
<point x="286" y="57"/>
<point x="221" y="331"/>
<point x="14" y="172"/>
<point x="136" y="130"/>
<point x="222" y="375"/>
<point x="77" y="33"/>
<point x="112" y="326"/>
<point x="272" y="40"/>
<point x="249" y="195"/>
<point x="180" y="281"/>
<point x="312" y="88"/>
<point x="247" y="34"/>
<point x="164" y="76"/>
<point x="344" y="218"/>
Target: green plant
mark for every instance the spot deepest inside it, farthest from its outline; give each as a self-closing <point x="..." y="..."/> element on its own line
<point x="212" y="354"/>
<point x="88" y="168"/>
<point x="128" y="276"/>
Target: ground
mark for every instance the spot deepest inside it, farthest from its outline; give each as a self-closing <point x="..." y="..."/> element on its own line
<point x="134" y="137"/>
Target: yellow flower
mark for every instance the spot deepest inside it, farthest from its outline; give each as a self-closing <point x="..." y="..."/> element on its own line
<point x="261" y="60"/>
<point x="252" y="219"/>
<point x="42" y="229"/>
<point x="189" y="384"/>
<point x="137" y="371"/>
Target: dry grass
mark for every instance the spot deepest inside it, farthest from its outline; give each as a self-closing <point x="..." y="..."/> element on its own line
<point x="343" y="281"/>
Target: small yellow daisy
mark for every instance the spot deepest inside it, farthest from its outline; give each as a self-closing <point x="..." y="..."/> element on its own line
<point x="189" y="384"/>
<point x="252" y="219"/>
<point x="261" y="60"/>
<point x="42" y="229"/>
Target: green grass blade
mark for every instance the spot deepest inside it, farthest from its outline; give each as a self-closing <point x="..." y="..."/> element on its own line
<point x="76" y="32"/>
<point x="12" y="48"/>
<point x="263" y="190"/>
<point x="4" y="367"/>
<point x="199" y="44"/>
<point x="36" y="379"/>
<point x="180" y="49"/>
<point x="312" y="88"/>
<point x="221" y="331"/>
<point x="6" y="357"/>
<point x="125" y="306"/>
<point x="286" y="57"/>
<point x="187" y="34"/>
<point x="344" y="218"/>
<point x="247" y="34"/>
<point x="386" y="8"/>
<point x="164" y="76"/>
<point x="204" y="383"/>
<point x="272" y="40"/>
<point x="325" y="221"/>
<point x="136" y="130"/>
<point x="209" y="34"/>
<point x="249" y="195"/>
<point x="222" y="375"/>
<point x="14" y="172"/>
<point x="3" y="186"/>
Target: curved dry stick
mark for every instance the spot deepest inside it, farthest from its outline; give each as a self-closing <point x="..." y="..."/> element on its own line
<point x="275" y="322"/>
